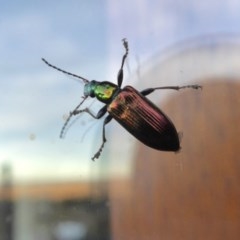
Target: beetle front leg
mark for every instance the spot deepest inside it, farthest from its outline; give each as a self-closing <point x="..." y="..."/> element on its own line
<point x="98" y="153"/>
<point x="101" y="112"/>
<point x="120" y="72"/>
<point x="147" y="91"/>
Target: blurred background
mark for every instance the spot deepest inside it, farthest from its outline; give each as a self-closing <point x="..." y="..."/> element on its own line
<point x="49" y="187"/>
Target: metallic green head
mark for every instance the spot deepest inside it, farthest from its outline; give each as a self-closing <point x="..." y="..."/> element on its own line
<point x="103" y="91"/>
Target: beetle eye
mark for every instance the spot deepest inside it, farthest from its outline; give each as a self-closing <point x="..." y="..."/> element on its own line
<point x="89" y="89"/>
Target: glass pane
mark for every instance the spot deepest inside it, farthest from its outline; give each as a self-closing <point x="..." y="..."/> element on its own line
<point x="49" y="186"/>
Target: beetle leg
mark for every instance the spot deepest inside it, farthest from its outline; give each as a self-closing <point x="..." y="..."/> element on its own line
<point x="62" y="133"/>
<point x="147" y="91"/>
<point x="120" y="72"/>
<point x="106" y="121"/>
<point x="101" y="112"/>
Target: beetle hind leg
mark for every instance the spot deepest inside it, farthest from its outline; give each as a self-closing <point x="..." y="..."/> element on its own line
<point x="98" y="153"/>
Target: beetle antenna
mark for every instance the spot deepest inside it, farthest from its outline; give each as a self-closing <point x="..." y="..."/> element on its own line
<point x="63" y="71"/>
<point x="63" y="132"/>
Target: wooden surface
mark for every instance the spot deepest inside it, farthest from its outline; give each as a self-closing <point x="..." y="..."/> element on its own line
<point x="194" y="194"/>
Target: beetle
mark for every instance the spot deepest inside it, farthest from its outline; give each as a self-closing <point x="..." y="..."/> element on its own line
<point x="130" y="108"/>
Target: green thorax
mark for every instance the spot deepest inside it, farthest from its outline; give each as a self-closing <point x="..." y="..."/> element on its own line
<point x="103" y="91"/>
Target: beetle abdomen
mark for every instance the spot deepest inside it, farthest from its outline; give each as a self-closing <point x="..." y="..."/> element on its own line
<point x="144" y="120"/>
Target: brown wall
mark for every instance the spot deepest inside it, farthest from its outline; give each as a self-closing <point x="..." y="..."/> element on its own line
<point x="194" y="194"/>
